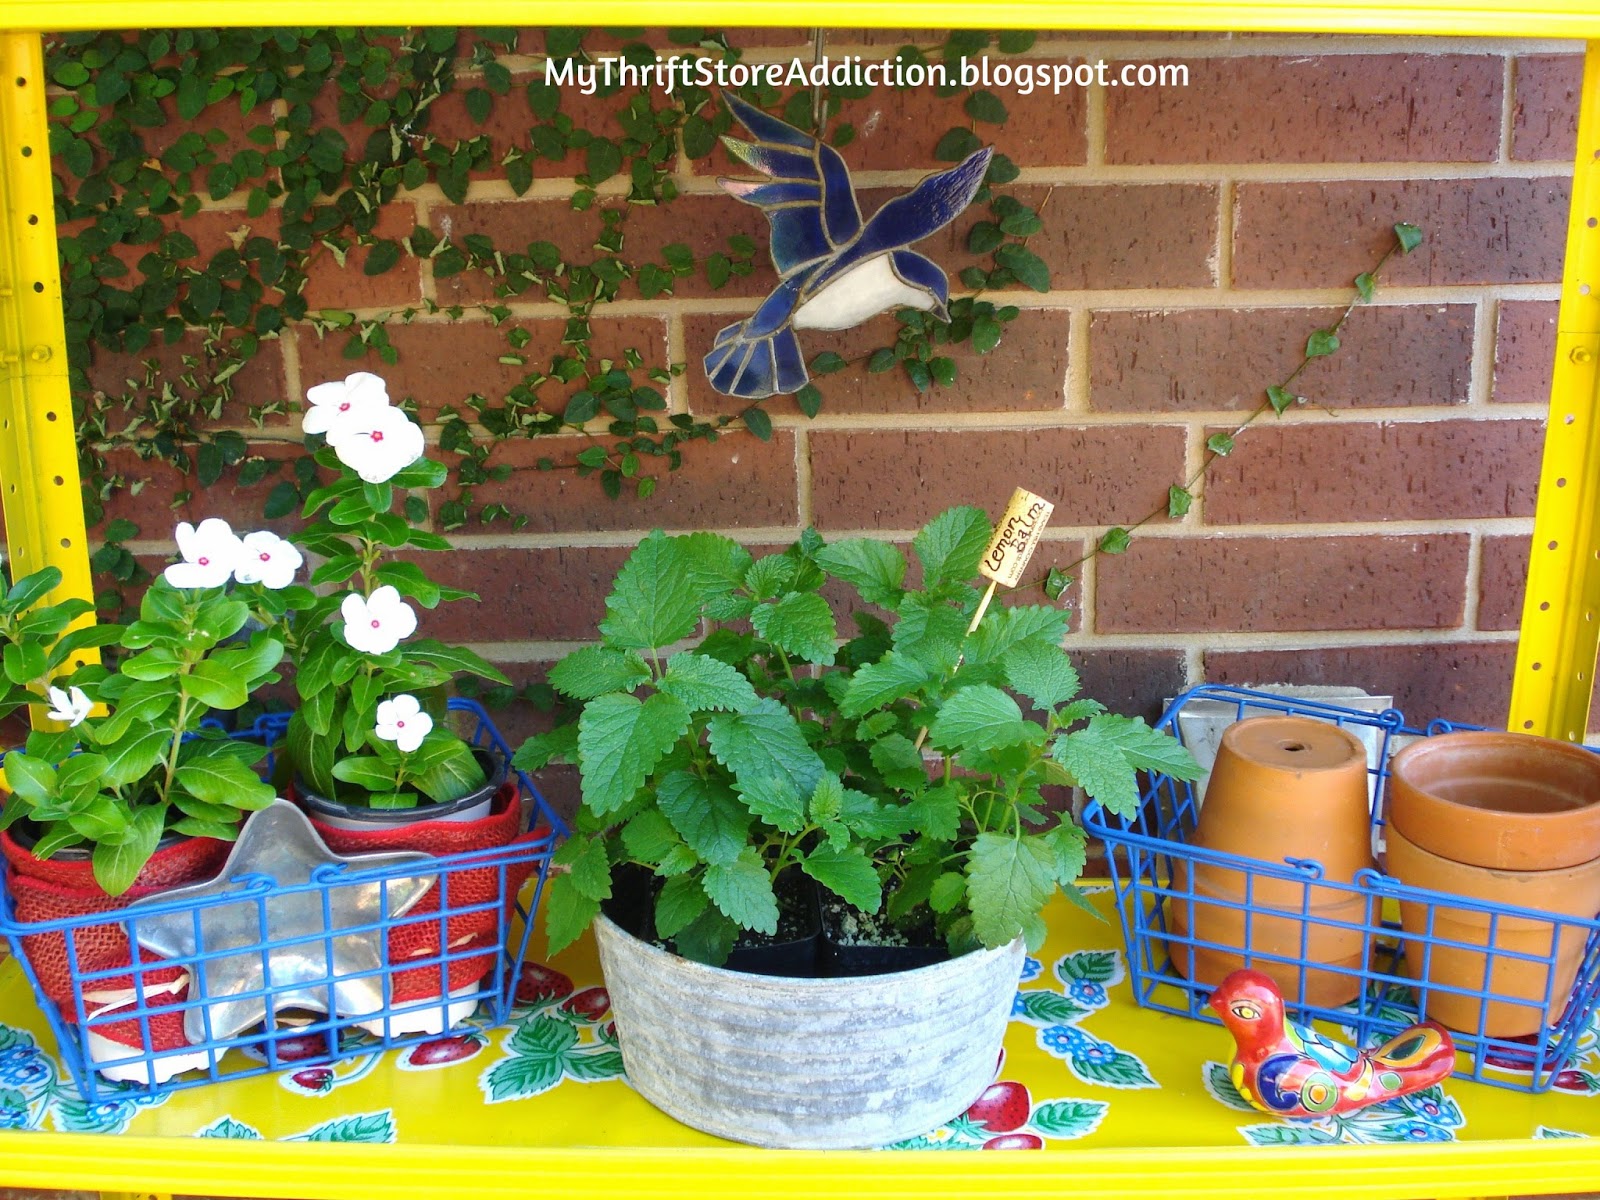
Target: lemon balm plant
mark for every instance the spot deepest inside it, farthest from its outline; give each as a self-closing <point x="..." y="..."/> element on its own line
<point x="771" y="745"/>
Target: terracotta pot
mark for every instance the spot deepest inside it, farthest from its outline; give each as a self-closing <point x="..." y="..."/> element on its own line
<point x="1519" y="986"/>
<point x="1507" y="800"/>
<point x="1282" y="787"/>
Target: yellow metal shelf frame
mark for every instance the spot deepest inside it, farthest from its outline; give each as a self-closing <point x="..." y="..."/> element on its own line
<point x="1554" y="673"/>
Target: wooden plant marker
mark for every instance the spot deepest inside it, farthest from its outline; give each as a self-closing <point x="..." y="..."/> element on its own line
<point x="1015" y="539"/>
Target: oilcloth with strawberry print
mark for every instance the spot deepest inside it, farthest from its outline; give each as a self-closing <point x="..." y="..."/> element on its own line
<point x="474" y="898"/>
<point x="54" y="889"/>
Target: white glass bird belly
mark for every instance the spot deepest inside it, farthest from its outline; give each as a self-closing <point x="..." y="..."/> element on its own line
<point x="863" y="291"/>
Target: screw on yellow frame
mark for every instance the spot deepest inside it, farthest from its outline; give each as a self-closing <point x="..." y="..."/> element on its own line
<point x="39" y="482"/>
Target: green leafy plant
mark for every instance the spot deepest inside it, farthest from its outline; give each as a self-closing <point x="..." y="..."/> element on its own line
<point x="768" y="744"/>
<point x="117" y="783"/>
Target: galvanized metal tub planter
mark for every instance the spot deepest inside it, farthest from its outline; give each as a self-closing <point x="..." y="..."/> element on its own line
<point x="822" y="1064"/>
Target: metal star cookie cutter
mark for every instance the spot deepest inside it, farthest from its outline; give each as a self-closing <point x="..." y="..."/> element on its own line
<point x="293" y="954"/>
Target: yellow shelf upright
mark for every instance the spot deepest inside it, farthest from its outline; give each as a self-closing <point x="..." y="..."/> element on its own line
<point x="39" y="483"/>
<point x="1561" y="611"/>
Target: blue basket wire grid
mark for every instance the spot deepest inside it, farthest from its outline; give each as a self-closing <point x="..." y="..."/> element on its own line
<point x="134" y="998"/>
<point x="1385" y="931"/>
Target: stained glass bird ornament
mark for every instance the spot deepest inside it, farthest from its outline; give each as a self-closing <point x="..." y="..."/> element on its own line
<point x="835" y="270"/>
<point x="1291" y="1070"/>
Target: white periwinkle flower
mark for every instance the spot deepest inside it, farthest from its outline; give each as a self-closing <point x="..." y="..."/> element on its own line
<point x="267" y="559"/>
<point x="402" y="721"/>
<point x="380" y="443"/>
<point x="376" y="624"/>
<point x="336" y="407"/>
<point x="71" y="707"/>
<point x="210" y="554"/>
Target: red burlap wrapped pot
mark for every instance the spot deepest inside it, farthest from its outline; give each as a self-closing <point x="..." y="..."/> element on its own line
<point x="418" y="937"/>
<point x="55" y="888"/>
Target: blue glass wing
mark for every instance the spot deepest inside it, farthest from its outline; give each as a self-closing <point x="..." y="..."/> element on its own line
<point x="809" y="201"/>
<point x="926" y="208"/>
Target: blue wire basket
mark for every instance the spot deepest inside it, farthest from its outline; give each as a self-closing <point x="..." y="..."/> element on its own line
<point x="1153" y="869"/>
<point x="105" y="1068"/>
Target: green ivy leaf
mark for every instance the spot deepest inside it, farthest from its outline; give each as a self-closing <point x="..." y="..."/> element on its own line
<point x="1280" y="398"/>
<point x="1114" y="541"/>
<point x="1410" y="237"/>
<point x="984" y="237"/>
<point x="1366" y="285"/>
<point x="1321" y="343"/>
<point x="1016" y="41"/>
<point x="956" y="145"/>
<point x="1179" y="501"/>
<point x="382" y="257"/>
<point x="603" y="159"/>
<point x="827" y="363"/>
<point x="620" y="741"/>
<point x="1220" y="444"/>
<point x="1027" y="266"/>
<point x="1056" y="583"/>
<point x="985" y="106"/>
<point x="758" y="422"/>
<point x="809" y="400"/>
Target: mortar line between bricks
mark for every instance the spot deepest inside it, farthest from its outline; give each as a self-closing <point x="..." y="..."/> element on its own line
<point x="1286" y="639"/>
<point x="293" y="380"/>
<point x="1508" y="109"/>
<point x="802" y="476"/>
<point x="1473" y="597"/>
<point x="1076" y="381"/>
<point x="1194" y="665"/>
<point x="430" y="285"/>
<point x="1485" y="347"/>
<point x="1094" y="127"/>
<point x="1227" y="231"/>
<point x="677" y="351"/>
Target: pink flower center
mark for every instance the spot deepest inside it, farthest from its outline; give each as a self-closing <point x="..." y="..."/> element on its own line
<point x="345" y="407"/>
<point x="203" y="561"/>
<point x="377" y="435"/>
<point x="265" y="557"/>
<point x="376" y="623"/>
<point x="399" y="724"/>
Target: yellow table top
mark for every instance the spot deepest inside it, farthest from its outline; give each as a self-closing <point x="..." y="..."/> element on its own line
<point x="1117" y="1100"/>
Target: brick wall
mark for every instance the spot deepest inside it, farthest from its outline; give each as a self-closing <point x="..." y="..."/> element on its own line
<point x="1195" y="236"/>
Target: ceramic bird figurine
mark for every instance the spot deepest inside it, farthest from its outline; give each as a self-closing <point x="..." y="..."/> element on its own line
<point x="835" y="270"/>
<point x="1291" y="1070"/>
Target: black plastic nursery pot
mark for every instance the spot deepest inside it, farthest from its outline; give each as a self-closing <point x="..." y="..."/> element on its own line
<point x="850" y="945"/>
<point x="471" y="807"/>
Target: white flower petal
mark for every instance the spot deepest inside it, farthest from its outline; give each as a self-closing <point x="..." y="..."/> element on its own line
<point x="401" y="720"/>
<point x="267" y="559"/>
<point x="384" y="442"/>
<point x="71" y="707"/>
<point x="210" y="554"/>
<point x="336" y="406"/>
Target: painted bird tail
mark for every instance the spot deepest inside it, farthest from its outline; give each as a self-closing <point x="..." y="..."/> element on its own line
<point x="753" y="365"/>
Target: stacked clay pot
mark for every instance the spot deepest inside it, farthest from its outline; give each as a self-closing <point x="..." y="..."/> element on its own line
<point x="1511" y="820"/>
<point x="1283" y="787"/>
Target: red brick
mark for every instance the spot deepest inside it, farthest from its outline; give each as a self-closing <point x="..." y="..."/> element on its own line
<point x="738" y="482"/>
<point x="1457" y="681"/>
<point x="897" y="129"/>
<point x="1209" y="359"/>
<point x="1131" y="682"/>
<point x="1524" y="351"/>
<point x="1023" y="374"/>
<point x="1502" y="580"/>
<point x="119" y="376"/>
<point x="1337" y="108"/>
<point x="703" y="223"/>
<point x="1270" y="585"/>
<point x="167" y="496"/>
<point x="442" y="363"/>
<point x="1323" y="234"/>
<point x="530" y="594"/>
<point x="1377" y="471"/>
<point x="1544" y="122"/>
<point x="329" y="285"/>
<point x="900" y="480"/>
